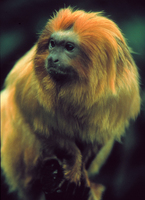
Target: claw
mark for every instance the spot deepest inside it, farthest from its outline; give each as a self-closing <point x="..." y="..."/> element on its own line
<point x="55" y="187"/>
<point x="51" y="176"/>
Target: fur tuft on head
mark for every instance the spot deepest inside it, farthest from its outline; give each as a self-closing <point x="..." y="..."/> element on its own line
<point x="102" y="46"/>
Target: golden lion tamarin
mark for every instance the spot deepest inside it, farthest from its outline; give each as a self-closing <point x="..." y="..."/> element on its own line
<point x="64" y="102"/>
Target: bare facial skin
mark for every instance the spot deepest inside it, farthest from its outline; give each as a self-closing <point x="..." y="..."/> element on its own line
<point x="63" y="47"/>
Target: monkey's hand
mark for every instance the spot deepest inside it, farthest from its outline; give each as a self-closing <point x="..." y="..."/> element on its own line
<point x="51" y="176"/>
<point x="56" y="187"/>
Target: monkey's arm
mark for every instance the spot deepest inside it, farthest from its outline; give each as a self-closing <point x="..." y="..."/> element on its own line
<point x="19" y="147"/>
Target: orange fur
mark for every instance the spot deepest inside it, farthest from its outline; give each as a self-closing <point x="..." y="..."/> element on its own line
<point x="93" y="110"/>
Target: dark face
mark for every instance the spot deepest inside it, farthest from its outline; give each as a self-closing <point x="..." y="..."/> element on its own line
<point x="63" y="48"/>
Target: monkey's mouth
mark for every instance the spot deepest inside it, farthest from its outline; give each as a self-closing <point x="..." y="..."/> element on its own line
<point x="61" y="74"/>
<point x="56" y="72"/>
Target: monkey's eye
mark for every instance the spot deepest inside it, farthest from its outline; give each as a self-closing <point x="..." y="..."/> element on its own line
<point x="69" y="47"/>
<point x="51" y="44"/>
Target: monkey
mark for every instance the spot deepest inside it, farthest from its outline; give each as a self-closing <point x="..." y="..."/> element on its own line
<point x="64" y="104"/>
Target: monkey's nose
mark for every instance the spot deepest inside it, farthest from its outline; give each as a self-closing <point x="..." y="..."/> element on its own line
<point x="56" y="61"/>
<point x="53" y="60"/>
